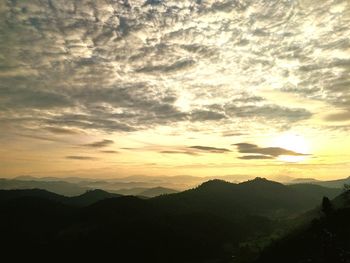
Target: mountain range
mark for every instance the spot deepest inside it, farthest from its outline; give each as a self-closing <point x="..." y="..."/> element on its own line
<point x="147" y="186"/>
<point x="213" y="222"/>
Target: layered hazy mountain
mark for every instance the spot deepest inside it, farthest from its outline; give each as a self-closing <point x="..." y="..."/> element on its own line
<point x="134" y="131"/>
<point x="147" y="186"/>
<point x="216" y="221"/>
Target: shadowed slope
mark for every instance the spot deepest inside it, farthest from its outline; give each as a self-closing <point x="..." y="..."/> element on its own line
<point x="258" y="196"/>
<point x="324" y="240"/>
<point x="90" y="197"/>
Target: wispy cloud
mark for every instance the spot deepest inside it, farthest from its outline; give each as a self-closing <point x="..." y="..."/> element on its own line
<point x="62" y="131"/>
<point x="256" y="157"/>
<point x="341" y="116"/>
<point x="263" y="152"/>
<point x="109" y="151"/>
<point x="107" y="97"/>
<point x="210" y="149"/>
<point x="99" y="144"/>
<point x="179" y="152"/>
<point x="79" y="157"/>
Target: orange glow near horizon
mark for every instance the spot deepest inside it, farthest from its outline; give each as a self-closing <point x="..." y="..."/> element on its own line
<point x="208" y="89"/>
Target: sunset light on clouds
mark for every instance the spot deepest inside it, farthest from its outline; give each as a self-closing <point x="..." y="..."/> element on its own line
<point x="203" y="88"/>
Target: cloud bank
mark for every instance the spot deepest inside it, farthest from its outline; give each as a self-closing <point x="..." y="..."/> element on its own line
<point x="255" y="152"/>
<point x="124" y="66"/>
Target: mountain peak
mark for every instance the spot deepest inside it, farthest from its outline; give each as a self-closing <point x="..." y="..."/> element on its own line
<point x="215" y="184"/>
<point x="91" y="196"/>
<point x="262" y="183"/>
<point x="95" y="192"/>
<point x="260" y="179"/>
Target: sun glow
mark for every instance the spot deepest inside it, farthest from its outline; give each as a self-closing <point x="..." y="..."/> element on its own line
<point x="295" y="143"/>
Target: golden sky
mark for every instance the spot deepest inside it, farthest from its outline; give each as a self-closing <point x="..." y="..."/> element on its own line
<point x="108" y="89"/>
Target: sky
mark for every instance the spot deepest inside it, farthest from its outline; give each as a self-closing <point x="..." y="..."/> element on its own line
<point x="112" y="88"/>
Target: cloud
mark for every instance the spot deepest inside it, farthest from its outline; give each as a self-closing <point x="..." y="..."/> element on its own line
<point x="32" y="98"/>
<point x="109" y="151"/>
<point x="263" y="152"/>
<point x="40" y="137"/>
<point x="272" y="151"/>
<point x="268" y="112"/>
<point x="176" y="66"/>
<point x="233" y="134"/>
<point x="345" y="127"/>
<point x="205" y="115"/>
<point x="188" y="150"/>
<point x="62" y="131"/>
<point x="103" y="122"/>
<point x="255" y="157"/>
<point x="244" y="145"/>
<point x="99" y="144"/>
<point x="126" y="64"/>
<point x="76" y="157"/>
<point x="342" y="116"/>
<point x="179" y="152"/>
<point x="210" y="149"/>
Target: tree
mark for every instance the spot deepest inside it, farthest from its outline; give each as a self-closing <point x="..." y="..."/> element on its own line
<point x="327" y="207"/>
<point x="346" y="194"/>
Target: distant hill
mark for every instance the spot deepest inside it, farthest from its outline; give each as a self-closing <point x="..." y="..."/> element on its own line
<point x="135" y="185"/>
<point x="315" y="192"/>
<point x="131" y="191"/>
<point x="90" y="197"/>
<point x="146" y="192"/>
<point x="339" y="183"/>
<point x="156" y="191"/>
<point x="58" y="187"/>
<point x="113" y="184"/>
<point x="209" y="223"/>
<point x="259" y="196"/>
<point x="303" y="180"/>
<point x="78" y="186"/>
<point x="335" y="183"/>
<point x="53" y="179"/>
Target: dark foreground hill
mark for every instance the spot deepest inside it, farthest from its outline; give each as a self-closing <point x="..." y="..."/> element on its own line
<point x="323" y="240"/>
<point x="85" y="199"/>
<point x="146" y="192"/>
<point x="205" y="224"/>
<point x="259" y="196"/>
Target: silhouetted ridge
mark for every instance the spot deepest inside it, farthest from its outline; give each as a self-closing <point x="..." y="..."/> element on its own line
<point x="215" y="184"/>
<point x="90" y="197"/>
<point x="257" y="184"/>
<point x="342" y="200"/>
<point x="262" y="182"/>
<point x="116" y="201"/>
<point x="313" y="192"/>
<point x="96" y="193"/>
<point x="265" y="187"/>
<point x="259" y="196"/>
<point x="206" y="224"/>
<point x="27" y="193"/>
<point x="156" y="191"/>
